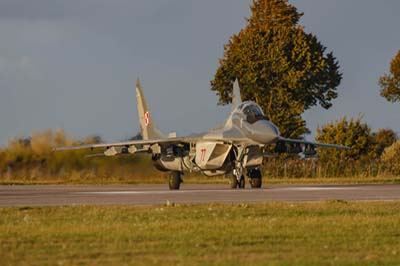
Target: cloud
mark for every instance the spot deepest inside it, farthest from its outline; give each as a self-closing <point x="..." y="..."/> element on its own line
<point x="32" y="10"/>
<point x="138" y="10"/>
<point x="18" y="68"/>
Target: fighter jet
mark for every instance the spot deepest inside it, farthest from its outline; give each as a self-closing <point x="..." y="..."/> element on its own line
<point x="235" y="149"/>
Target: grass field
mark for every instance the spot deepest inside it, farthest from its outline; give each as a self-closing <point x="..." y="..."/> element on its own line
<point x="327" y="233"/>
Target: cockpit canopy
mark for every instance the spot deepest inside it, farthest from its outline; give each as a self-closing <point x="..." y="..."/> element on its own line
<point x="252" y="112"/>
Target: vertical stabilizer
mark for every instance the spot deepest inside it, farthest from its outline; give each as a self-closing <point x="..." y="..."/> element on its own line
<point x="148" y="128"/>
<point x="236" y="98"/>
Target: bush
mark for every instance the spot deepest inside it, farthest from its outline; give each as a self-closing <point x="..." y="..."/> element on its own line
<point x="383" y="139"/>
<point x="352" y="133"/>
<point x="391" y="157"/>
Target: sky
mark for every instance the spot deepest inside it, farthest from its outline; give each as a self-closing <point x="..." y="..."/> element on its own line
<point x="73" y="64"/>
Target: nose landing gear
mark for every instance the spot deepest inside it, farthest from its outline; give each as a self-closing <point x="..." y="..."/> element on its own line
<point x="237" y="179"/>
<point x="236" y="182"/>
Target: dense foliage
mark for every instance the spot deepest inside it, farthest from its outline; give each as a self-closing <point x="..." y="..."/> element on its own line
<point x="280" y="66"/>
<point x="391" y="157"/>
<point x="347" y="132"/>
<point x="390" y="83"/>
<point x="33" y="159"/>
<point x="382" y="139"/>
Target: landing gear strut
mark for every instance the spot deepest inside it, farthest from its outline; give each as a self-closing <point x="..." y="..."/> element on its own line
<point x="175" y="180"/>
<point x="237" y="179"/>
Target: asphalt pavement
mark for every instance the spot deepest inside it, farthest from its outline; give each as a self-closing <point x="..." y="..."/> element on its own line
<point x="58" y="195"/>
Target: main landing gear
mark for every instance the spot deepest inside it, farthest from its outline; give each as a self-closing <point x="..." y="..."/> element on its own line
<point x="175" y="180"/>
<point x="255" y="177"/>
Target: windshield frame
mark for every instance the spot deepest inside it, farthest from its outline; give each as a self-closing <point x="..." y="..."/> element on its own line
<point x="253" y="113"/>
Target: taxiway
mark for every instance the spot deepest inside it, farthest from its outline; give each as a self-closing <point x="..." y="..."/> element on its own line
<point x="57" y="195"/>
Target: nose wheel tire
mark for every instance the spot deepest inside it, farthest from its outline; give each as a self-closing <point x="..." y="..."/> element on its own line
<point x="235" y="183"/>
<point x="242" y="182"/>
<point x="175" y="181"/>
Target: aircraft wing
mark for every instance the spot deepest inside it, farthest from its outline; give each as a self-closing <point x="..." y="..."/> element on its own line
<point x="127" y="143"/>
<point x="316" y="144"/>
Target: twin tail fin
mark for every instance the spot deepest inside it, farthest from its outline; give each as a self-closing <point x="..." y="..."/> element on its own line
<point x="148" y="128"/>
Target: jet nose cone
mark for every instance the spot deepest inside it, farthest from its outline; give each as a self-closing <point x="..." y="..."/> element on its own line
<point x="264" y="132"/>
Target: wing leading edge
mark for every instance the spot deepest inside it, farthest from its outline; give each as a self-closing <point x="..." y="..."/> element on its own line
<point x="316" y="144"/>
<point x="127" y="143"/>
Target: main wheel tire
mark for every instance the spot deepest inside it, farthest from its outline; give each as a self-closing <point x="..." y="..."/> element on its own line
<point x="256" y="182"/>
<point x="175" y="180"/>
<point x="255" y="178"/>
<point x="242" y="182"/>
<point x="233" y="183"/>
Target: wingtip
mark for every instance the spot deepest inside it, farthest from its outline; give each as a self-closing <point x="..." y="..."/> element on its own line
<point x="138" y="83"/>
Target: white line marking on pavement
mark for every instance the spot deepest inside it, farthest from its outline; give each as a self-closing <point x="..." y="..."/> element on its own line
<point x="156" y="192"/>
<point x="216" y="190"/>
<point x="318" y="188"/>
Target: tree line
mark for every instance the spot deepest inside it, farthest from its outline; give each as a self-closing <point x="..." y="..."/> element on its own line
<point x="34" y="159"/>
<point x="372" y="154"/>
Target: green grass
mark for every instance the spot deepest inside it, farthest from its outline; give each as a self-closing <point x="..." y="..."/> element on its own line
<point x="327" y="233"/>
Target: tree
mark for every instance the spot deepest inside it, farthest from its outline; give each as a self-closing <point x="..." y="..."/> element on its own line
<point x="382" y="139"/>
<point x="279" y="66"/>
<point x="352" y="133"/>
<point x="390" y="83"/>
<point x="391" y="157"/>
